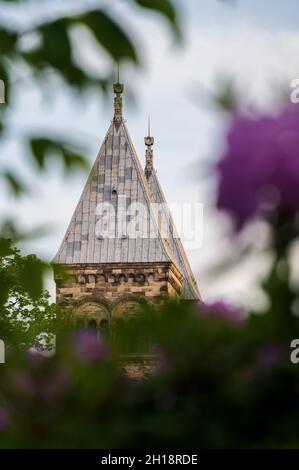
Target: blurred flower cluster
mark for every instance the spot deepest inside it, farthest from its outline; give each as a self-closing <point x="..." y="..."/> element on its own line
<point x="213" y="382"/>
<point x="213" y="376"/>
<point x="259" y="170"/>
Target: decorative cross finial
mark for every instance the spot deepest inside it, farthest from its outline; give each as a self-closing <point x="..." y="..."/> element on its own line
<point x="118" y="89"/>
<point x="149" y="142"/>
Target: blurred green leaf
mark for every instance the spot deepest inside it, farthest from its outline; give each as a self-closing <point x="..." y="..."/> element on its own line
<point x="5" y="247"/>
<point x="166" y="8"/>
<point x="26" y="316"/>
<point x="42" y="148"/>
<point x="6" y="81"/>
<point x="31" y="276"/>
<point x="8" y="41"/>
<point x="56" y="48"/>
<point x="55" y="52"/>
<point x="15" y="183"/>
<point x="110" y="35"/>
<point x="61" y="273"/>
<point x="72" y="159"/>
<point x="10" y="230"/>
<point x="226" y="97"/>
<point x="56" y="44"/>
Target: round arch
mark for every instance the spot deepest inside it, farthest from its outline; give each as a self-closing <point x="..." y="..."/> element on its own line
<point x="90" y="311"/>
<point x="126" y="308"/>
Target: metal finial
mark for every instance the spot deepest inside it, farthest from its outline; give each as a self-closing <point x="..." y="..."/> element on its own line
<point x="149" y="142"/>
<point x="118" y="89"/>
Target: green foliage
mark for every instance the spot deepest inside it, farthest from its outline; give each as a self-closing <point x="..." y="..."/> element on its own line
<point x="225" y="98"/>
<point x="109" y="35"/>
<point x="26" y="315"/>
<point x="214" y="383"/>
<point x="8" y="40"/>
<point x="43" y="148"/>
<point x="15" y="184"/>
<point x="166" y="8"/>
<point x="56" y="53"/>
<point x="209" y="381"/>
<point x="212" y="377"/>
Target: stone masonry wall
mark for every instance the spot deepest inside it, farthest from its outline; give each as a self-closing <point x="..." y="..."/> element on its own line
<point x="110" y="281"/>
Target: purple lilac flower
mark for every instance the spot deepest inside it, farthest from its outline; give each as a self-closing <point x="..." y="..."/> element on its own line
<point x="89" y="346"/>
<point x="4" y="418"/>
<point x="36" y="358"/>
<point x="259" y="171"/>
<point x="223" y="310"/>
<point x="162" y="361"/>
<point x="270" y="355"/>
<point x="43" y="388"/>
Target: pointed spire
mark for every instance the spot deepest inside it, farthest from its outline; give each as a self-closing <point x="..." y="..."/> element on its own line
<point x="118" y="89"/>
<point x="149" y="142"/>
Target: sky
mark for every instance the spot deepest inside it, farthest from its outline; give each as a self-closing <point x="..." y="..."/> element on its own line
<point x="254" y="43"/>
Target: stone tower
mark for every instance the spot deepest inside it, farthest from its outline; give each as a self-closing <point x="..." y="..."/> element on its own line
<point x="121" y="245"/>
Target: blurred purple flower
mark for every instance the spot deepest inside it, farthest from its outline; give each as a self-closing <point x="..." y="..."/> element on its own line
<point x="270" y="355"/>
<point x="4" y="418"/>
<point x="162" y="361"/>
<point x="89" y="346"/>
<point x="223" y="310"/>
<point x="43" y="388"/>
<point x="36" y="358"/>
<point x="259" y="171"/>
<point x="248" y="374"/>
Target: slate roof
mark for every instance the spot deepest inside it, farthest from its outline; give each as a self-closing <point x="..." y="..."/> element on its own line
<point x="117" y="171"/>
<point x="190" y="288"/>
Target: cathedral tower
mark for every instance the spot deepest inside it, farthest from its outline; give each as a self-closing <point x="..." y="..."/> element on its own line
<point x="121" y="246"/>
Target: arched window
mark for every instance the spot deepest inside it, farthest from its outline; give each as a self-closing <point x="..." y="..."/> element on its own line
<point x="104" y="328"/>
<point x="92" y="313"/>
<point x="130" y="336"/>
<point x="92" y="326"/>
